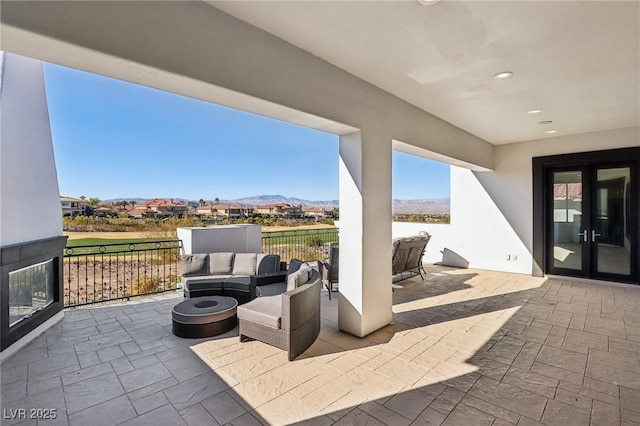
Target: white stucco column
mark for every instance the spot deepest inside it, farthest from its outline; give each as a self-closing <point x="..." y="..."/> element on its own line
<point x="29" y="196"/>
<point x="365" y="232"/>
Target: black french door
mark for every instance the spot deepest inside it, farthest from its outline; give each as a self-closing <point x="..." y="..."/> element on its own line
<point x="592" y="220"/>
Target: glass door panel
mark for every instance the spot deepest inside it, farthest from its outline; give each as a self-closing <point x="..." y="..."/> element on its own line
<point x="611" y="230"/>
<point x="568" y="230"/>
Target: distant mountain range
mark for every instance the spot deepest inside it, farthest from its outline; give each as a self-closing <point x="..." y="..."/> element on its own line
<point x="423" y="206"/>
<point x="257" y="200"/>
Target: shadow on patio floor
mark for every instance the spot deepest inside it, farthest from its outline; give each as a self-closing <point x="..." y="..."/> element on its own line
<point x="499" y="349"/>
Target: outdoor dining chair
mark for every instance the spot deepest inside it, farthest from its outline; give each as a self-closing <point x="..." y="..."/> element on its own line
<point x="329" y="269"/>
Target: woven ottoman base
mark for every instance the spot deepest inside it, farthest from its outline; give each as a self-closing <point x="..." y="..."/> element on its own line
<point x="204" y="316"/>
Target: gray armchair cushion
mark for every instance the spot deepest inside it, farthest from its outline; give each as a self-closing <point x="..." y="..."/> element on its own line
<point x="267" y="263"/>
<point x="221" y="263"/>
<point x="245" y="264"/>
<point x="194" y="264"/>
<point x="266" y="311"/>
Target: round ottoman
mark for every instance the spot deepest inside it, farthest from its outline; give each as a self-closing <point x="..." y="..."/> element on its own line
<point x="204" y="316"/>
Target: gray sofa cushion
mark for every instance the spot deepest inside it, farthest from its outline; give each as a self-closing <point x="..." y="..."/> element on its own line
<point x="299" y="277"/>
<point x="271" y="289"/>
<point x="221" y="263"/>
<point x="263" y="310"/>
<point x="267" y="263"/>
<point x="245" y="264"/>
<point x="240" y="282"/>
<point x="194" y="264"/>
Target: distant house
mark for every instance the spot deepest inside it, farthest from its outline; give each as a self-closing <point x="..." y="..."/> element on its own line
<point x="282" y="210"/>
<point x="104" y="211"/>
<point x="164" y="208"/>
<point x="230" y="211"/>
<point x="318" y="212"/>
<point x="73" y="207"/>
<point x="141" y="212"/>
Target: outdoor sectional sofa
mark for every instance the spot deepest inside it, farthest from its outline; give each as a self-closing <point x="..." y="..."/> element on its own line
<point x="280" y="308"/>
<point x="230" y="274"/>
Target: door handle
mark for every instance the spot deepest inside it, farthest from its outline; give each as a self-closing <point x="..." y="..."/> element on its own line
<point x="585" y="235"/>
<point x="594" y="235"/>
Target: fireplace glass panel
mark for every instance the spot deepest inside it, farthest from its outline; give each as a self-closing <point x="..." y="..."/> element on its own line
<point x="30" y="289"/>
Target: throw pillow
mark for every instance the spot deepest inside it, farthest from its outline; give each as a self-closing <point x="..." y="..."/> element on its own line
<point x="194" y="264"/>
<point x="294" y="265"/>
<point x="244" y="264"/>
<point x="299" y="277"/>
<point x="220" y="263"/>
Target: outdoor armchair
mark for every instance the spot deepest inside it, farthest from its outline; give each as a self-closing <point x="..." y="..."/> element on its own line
<point x="289" y="321"/>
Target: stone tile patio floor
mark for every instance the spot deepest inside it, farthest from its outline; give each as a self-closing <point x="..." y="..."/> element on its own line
<point x="466" y="347"/>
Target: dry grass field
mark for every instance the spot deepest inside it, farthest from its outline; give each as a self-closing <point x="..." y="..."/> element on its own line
<point x="125" y="235"/>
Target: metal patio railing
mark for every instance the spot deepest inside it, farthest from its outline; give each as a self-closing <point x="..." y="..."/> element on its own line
<point x="105" y="272"/>
<point x="306" y="245"/>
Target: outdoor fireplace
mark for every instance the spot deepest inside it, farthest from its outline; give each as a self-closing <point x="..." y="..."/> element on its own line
<point x="31" y="291"/>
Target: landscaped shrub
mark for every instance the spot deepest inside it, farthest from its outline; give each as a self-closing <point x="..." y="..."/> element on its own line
<point x="314" y="241"/>
<point x="144" y="285"/>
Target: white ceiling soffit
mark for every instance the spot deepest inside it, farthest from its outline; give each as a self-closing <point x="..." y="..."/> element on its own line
<point x="577" y="61"/>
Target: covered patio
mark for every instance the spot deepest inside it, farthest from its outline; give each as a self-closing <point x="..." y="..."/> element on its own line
<point x="471" y="346"/>
<point x="464" y="347"/>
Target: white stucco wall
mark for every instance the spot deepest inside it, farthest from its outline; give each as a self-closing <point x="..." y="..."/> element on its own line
<point x="478" y="231"/>
<point x="492" y="212"/>
<point x="242" y="238"/>
<point x="439" y="236"/>
<point x="29" y="197"/>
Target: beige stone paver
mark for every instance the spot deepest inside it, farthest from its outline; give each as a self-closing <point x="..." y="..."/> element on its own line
<point x="465" y="347"/>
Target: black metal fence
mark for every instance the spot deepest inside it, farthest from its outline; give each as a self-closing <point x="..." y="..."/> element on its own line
<point x="307" y="245"/>
<point x="99" y="273"/>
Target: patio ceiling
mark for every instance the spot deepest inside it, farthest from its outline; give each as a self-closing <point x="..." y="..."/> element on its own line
<point x="577" y="61"/>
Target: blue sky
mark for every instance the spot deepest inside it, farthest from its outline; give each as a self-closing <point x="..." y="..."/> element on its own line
<point x="114" y="139"/>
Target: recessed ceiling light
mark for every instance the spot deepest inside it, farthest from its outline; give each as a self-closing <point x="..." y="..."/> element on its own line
<point x="550" y="132"/>
<point x="534" y="111"/>
<point x="428" y="2"/>
<point x="503" y="75"/>
<point x="545" y="122"/>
